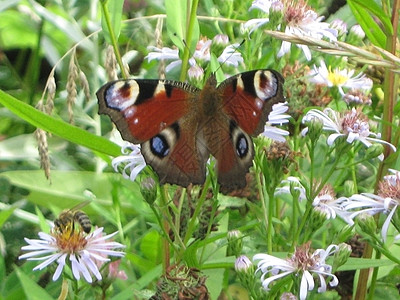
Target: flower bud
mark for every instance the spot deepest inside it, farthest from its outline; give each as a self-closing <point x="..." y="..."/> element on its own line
<point x="367" y="224"/>
<point x="244" y="265"/>
<point x="374" y="150"/>
<point x="340" y="257"/>
<point x="148" y="189"/>
<point x="235" y="244"/>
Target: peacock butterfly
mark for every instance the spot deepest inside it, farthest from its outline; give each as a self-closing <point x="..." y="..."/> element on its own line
<point x="179" y="125"/>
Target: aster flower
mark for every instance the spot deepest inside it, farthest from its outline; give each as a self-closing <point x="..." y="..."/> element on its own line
<point x="340" y="26"/>
<point x="230" y="56"/>
<point x="73" y="247"/>
<point x="292" y="183"/>
<point x="302" y="263"/>
<point x="133" y="160"/>
<point x="339" y="78"/>
<point x="202" y="54"/>
<point x="243" y="264"/>
<point x="352" y="125"/>
<point x="328" y="204"/>
<point x="298" y="19"/>
<point x="357" y="97"/>
<point x="277" y="117"/>
<point x="325" y="202"/>
<point x="165" y="53"/>
<point x="386" y="201"/>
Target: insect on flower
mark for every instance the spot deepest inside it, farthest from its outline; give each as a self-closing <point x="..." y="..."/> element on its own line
<point x="71" y="216"/>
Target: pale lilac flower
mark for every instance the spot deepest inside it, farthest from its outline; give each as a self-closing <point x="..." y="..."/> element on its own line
<point x="202" y="54"/>
<point x="357" y="97"/>
<point x="202" y="51"/>
<point x="230" y="56"/>
<point x="263" y="5"/>
<point x="358" y="31"/>
<point x="302" y="263"/>
<point x="83" y="251"/>
<point x="339" y="78"/>
<point x="115" y="272"/>
<point x="221" y="39"/>
<point x="243" y="264"/>
<point x="195" y="73"/>
<point x="327" y="203"/>
<point x="292" y="183"/>
<point x="277" y="116"/>
<point x="132" y="159"/>
<point x="298" y="20"/>
<point x="340" y="26"/>
<point x="165" y="53"/>
<point x="386" y="201"/>
<point x="352" y="125"/>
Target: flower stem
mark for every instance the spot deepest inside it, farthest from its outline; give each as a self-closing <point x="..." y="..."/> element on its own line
<point x="189" y="36"/>
<point x="114" y="41"/>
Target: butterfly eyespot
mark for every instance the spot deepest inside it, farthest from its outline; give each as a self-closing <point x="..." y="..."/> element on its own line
<point x="159" y="146"/>
<point x="242" y="147"/>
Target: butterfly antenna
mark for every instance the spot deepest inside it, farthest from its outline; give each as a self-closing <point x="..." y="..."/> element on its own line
<point x="230" y="55"/>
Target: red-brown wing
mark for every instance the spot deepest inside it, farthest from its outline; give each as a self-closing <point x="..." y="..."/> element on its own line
<point x="176" y="156"/>
<point x="142" y="108"/>
<point x="248" y="98"/>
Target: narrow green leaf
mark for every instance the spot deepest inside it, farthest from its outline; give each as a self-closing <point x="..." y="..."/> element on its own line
<point x="58" y="127"/>
<point x="5" y="214"/>
<point x="378" y="12"/>
<point x="31" y="289"/>
<point x="114" y="9"/>
<point x="69" y="188"/>
<point x="363" y="263"/>
<point x="177" y="24"/>
<point x="368" y="24"/>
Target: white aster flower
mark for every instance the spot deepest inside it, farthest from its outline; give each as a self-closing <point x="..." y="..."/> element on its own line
<point x="133" y="160"/>
<point x="327" y="203"/>
<point x="302" y="263"/>
<point x="277" y="116"/>
<point x="340" y="78"/>
<point x="202" y="54"/>
<point x="165" y="53"/>
<point x="292" y="183"/>
<point x="263" y="5"/>
<point x="230" y="56"/>
<point x="298" y="20"/>
<point x="386" y="201"/>
<point x="243" y="264"/>
<point x="74" y="247"/>
<point x="352" y="125"/>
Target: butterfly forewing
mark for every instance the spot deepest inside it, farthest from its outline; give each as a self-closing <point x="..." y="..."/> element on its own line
<point x="248" y="98"/>
<point x="143" y="108"/>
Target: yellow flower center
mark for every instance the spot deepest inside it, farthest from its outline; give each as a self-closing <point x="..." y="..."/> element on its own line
<point x="336" y="78"/>
<point x="70" y="238"/>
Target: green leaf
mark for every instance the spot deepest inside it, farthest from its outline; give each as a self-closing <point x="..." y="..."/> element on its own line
<point x="31" y="289"/>
<point x="5" y="214"/>
<point x="114" y="11"/>
<point x="177" y="24"/>
<point x="363" y="263"/>
<point x="151" y="246"/>
<point x="58" y="127"/>
<point x="361" y="11"/>
<point x="69" y="188"/>
<point x="69" y="28"/>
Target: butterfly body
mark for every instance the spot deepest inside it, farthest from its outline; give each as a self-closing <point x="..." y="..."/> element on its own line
<point x="180" y="126"/>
